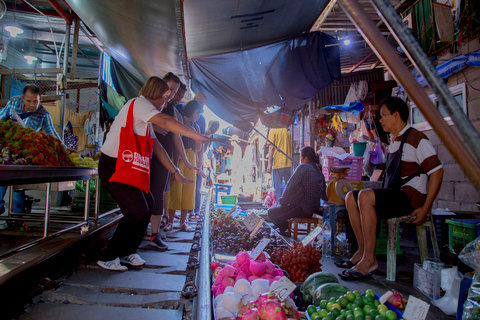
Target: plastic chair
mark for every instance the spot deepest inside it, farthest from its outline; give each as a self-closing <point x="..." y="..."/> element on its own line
<point x="221" y="188"/>
<point x="392" y="225"/>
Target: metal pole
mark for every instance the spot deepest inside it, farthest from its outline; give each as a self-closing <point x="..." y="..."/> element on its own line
<point x="47" y="209"/>
<point x="386" y="53"/>
<point x="302" y="128"/>
<point x="87" y="201"/>
<point x="421" y="62"/>
<point x="64" y="80"/>
<point x="204" y="300"/>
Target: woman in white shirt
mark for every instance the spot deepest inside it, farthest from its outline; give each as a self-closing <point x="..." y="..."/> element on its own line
<point x="135" y="204"/>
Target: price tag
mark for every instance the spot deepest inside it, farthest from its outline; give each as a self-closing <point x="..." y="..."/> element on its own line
<point x="255" y="230"/>
<point x="232" y="210"/>
<point x="251" y="221"/>
<point x="282" y="288"/>
<point x="385" y="297"/>
<point x="311" y="236"/>
<point x="262" y="244"/>
<point x="416" y="309"/>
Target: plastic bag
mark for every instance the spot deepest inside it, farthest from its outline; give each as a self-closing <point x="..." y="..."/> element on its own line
<point x="451" y="279"/>
<point x="471" y="307"/>
<point x="470" y="255"/>
<point x="376" y="156"/>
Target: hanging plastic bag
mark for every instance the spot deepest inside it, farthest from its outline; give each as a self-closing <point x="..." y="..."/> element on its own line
<point x="470" y="255"/>
<point x="471" y="307"/>
<point x="450" y="282"/>
<point x="376" y="156"/>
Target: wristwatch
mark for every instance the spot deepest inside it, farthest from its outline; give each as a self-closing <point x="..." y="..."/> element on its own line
<point x="176" y="170"/>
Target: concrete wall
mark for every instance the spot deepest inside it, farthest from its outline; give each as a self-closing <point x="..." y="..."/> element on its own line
<point x="457" y="192"/>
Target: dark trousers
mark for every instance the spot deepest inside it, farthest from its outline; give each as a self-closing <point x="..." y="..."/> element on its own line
<point x="136" y="207"/>
<point x="158" y="180"/>
<point x="280" y="215"/>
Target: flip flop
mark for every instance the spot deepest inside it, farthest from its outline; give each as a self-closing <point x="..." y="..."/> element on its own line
<point x="345" y="263"/>
<point x="352" y="275"/>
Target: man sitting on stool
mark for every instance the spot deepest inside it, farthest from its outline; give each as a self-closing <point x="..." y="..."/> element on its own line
<point x="413" y="177"/>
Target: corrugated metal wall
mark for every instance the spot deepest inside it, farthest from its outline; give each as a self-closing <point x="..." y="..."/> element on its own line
<point x="336" y="93"/>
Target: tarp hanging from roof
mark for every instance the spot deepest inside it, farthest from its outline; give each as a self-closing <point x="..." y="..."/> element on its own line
<point x="239" y="85"/>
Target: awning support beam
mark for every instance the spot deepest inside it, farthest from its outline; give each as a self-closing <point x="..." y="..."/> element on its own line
<point x="386" y="53"/>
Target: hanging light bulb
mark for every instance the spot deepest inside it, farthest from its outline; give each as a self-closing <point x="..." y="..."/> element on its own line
<point x="30" y="59"/>
<point x="14" y="30"/>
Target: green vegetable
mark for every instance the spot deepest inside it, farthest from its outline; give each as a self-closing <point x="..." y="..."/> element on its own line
<point x="313" y="282"/>
<point x="327" y="291"/>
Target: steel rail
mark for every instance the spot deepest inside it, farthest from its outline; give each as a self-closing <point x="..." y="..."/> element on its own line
<point x="386" y="53"/>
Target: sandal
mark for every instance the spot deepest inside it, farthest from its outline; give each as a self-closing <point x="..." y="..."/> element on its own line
<point x="184" y="227"/>
<point x="352" y="275"/>
<point x="164" y="222"/>
<point x="168" y="227"/>
<point x="345" y="263"/>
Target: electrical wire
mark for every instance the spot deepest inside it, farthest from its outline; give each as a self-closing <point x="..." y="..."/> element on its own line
<point x="51" y="31"/>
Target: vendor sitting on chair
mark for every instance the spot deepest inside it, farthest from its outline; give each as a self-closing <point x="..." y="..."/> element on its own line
<point x="413" y="177"/>
<point x="303" y="192"/>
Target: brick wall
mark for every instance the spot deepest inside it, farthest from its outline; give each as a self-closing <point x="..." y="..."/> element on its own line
<point x="457" y="193"/>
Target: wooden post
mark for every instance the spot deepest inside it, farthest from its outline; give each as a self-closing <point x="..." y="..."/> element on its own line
<point x="74" y="49"/>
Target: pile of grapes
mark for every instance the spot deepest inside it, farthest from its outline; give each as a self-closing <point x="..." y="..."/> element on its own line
<point x="230" y="237"/>
<point x="298" y="261"/>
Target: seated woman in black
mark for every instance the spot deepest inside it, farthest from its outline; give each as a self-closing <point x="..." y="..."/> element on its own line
<point x="303" y="191"/>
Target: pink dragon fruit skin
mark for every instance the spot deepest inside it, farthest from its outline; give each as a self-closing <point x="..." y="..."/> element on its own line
<point x="272" y="310"/>
<point x="396" y="300"/>
<point x="240" y="275"/>
<point x="229" y="272"/>
<point x="220" y="290"/>
<point x="251" y="315"/>
<point x="270" y="268"/>
<point x="251" y="278"/>
<point x="279" y="272"/>
<point x="262" y="257"/>
<point x="242" y="257"/>
<point x="257" y="268"/>
<point x="245" y="268"/>
<point x="219" y="279"/>
<point x="228" y="282"/>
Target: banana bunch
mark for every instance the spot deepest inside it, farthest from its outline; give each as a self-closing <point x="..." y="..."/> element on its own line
<point x="83" y="161"/>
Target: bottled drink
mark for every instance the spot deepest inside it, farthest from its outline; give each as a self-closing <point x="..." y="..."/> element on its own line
<point x="327" y="239"/>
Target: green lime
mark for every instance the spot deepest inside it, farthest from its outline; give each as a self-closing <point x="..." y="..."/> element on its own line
<point x="343" y="311"/>
<point x="331" y="316"/>
<point x="335" y="312"/>
<point x="370" y="299"/>
<point x="370" y="293"/>
<point x="382" y="309"/>
<point x="359" y="317"/>
<point x="323" y="304"/>
<point x="380" y="317"/>
<point x="351" y="296"/>
<point x="311" y="309"/>
<point x="332" y="299"/>
<point x="391" y="315"/>
<point x="326" y="318"/>
<point x="350" y="317"/>
<point x="367" y="309"/>
<point x="365" y="301"/>
<point x="357" y="311"/>
<point x="369" y="317"/>
<point x="315" y="316"/>
<point x="374" y="313"/>
<point x="359" y="302"/>
<point x="322" y="312"/>
<point x="343" y="301"/>
<point x="376" y="303"/>
<point x="349" y="306"/>
<point x="341" y="317"/>
<point x="349" y="313"/>
<point x="329" y="306"/>
<point x="357" y="294"/>
<point x="337" y="306"/>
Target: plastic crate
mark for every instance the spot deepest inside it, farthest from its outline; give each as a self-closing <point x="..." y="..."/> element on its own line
<point x="382" y="239"/>
<point x="231" y="199"/>
<point x="461" y="232"/>
<point x="354" y="163"/>
<point x="426" y="282"/>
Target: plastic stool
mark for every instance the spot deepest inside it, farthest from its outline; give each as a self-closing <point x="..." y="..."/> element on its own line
<point x="217" y="190"/>
<point x="332" y="215"/>
<point x="295" y="230"/>
<point x="392" y="225"/>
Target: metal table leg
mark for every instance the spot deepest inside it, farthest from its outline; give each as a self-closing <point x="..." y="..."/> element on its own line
<point x="97" y="200"/>
<point x="47" y="210"/>
<point x="87" y="201"/>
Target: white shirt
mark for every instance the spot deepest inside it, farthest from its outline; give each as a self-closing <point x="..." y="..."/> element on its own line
<point x="143" y="111"/>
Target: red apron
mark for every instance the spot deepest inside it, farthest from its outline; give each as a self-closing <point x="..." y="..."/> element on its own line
<point x="134" y="156"/>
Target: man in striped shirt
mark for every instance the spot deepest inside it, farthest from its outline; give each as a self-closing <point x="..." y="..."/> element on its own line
<point x="421" y="174"/>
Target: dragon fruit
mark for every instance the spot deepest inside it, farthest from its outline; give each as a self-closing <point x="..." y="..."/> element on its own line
<point x="240" y="275"/>
<point x="218" y="279"/>
<point x="257" y="268"/>
<point x="251" y="315"/>
<point x="260" y="286"/>
<point x="397" y="300"/>
<point x="272" y="309"/>
<point x="243" y="287"/>
<point x="229" y="272"/>
<point x="270" y="268"/>
<point x="242" y="257"/>
<point x="228" y="282"/>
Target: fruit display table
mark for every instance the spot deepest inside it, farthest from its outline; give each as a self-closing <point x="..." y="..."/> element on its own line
<point x="14" y="175"/>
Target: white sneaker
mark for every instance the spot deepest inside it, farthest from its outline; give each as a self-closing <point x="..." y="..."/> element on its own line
<point x="112" y="265"/>
<point x="133" y="260"/>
